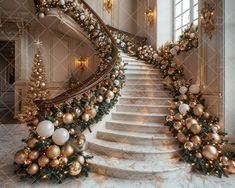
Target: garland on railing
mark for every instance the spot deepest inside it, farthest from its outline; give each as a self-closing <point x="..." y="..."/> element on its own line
<point x="198" y="132"/>
<point x="54" y="148"/>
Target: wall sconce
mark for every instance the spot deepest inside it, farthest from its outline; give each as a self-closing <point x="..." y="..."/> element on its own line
<point x="81" y="63"/>
<point x="207" y="20"/>
<point x="108" y="4"/>
<point x="149" y="14"/>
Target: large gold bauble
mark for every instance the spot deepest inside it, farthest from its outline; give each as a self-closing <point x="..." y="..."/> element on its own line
<point x="32" y="169"/>
<point x="198" y="155"/>
<point x="210" y="152"/>
<point x="181" y="137"/>
<point x="224" y="160"/>
<point x="54" y="163"/>
<point x="190" y="122"/>
<point x="196" y="140"/>
<point x="183" y="97"/>
<point x="230" y="167"/>
<point x="20" y="157"/>
<point x="188" y="145"/>
<point x="68" y="118"/>
<point x="195" y="128"/>
<point x="110" y="95"/>
<point x="33" y="154"/>
<point x="215" y="137"/>
<point x="31" y="143"/>
<point x="178" y="125"/>
<point x="75" y="168"/>
<point x="81" y="159"/>
<point x="35" y="121"/>
<point x="86" y="117"/>
<point x="178" y="116"/>
<point x="198" y="110"/>
<point x="67" y="150"/>
<point x="43" y="161"/>
<point x="53" y="152"/>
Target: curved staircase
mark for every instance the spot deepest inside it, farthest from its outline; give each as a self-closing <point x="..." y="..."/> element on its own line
<point x="134" y="143"/>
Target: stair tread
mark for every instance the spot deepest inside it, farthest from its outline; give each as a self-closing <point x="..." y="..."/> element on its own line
<point x="138" y="124"/>
<point x="127" y="97"/>
<point x="137" y="134"/>
<point x="147" y="149"/>
<point x="140" y="166"/>
<point x="147" y="105"/>
<point x="140" y="114"/>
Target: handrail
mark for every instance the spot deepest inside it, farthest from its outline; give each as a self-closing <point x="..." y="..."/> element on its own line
<point x="93" y="80"/>
<point x="132" y="36"/>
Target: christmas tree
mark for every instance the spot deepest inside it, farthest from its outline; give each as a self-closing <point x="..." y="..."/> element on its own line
<point x="36" y="90"/>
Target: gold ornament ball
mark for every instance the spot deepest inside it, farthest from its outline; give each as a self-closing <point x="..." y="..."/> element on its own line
<point x="192" y="104"/>
<point x="99" y="98"/>
<point x="43" y="161"/>
<point x="206" y="115"/>
<point x="68" y="118"/>
<point x="178" y="116"/>
<point x="80" y="142"/>
<point x="86" y="117"/>
<point x="67" y="150"/>
<point x="54" y="163"/>
<point x="33" y="155"/>
<point x="198" y="110"/>
<point x="215" y="137"/>
<point x="190" y="122"/>
<point x="210" y="152"/>
<point x="75" y="168"/>
<point x="198" y="155"/>
<point x="188" y="145"/>
<point x="35" y="121"/>
<point x="20" y="157"/>
<point x="71" y="131"/>
<point x="181" y="137"/>
<point x="224" y="160"/>
<point x="110" y="95"/>
<point x="43" y="84"/>
<point x="63" y="160"/>
<point x="31" y="143"/>
<point x="81" y="159"/>
<point x="56" y="123"/>
<point x="195" y="128"/>
<point x="53" y="152"/>
<point x="178" y="125"/>
<point x="93" y="113"/>
<point x="230" y="167"/>
<point x="196" y="140"/>
<point x="183" y="97"/>
<point x="32" y="169"/>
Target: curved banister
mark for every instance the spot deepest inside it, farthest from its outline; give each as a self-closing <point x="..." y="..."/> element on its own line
<point x="94" y="79"/>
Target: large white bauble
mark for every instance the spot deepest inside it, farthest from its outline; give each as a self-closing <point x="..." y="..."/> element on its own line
<point x="194" y="89"/>
<point x="183" y="90"/>
<point x="45" y="128"/>
<point x="60" y="136"/>
<point x="62" y="2"/>
<point x="41" y="15"/>
<point x="184" y="108"/>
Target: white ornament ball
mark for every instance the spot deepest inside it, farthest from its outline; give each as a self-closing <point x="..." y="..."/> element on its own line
<point x="41" y="15"/>
<point x="62" y="2"/>
<point x="82" y="17"/>
<point x="60" y="136"/>
<point x="118" y="41"/>
<point x="45" y="128"/>
<point x="194" y="89"/>
<point x="184" y="108"/>
<point x="183" y="90"/>
<point x="116" y="82"/>
<point x="123" y="44"/>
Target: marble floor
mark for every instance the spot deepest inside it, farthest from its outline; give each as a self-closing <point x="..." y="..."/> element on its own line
<point x="10" y="141"/>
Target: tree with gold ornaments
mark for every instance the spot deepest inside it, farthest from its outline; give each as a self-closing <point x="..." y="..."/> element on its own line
<point x="36" y="90"/>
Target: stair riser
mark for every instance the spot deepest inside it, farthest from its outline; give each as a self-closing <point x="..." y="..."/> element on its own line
<point x="144" y="101"/>
<point x="144" y="109"/>
<point x="156" y="87"/>
<point x="139" y="81"/>
<point x="142" y="76"/>
<point x="137" y="128"/>
<point x="138" y="118"/>
<point x="137" y="175"/>
<point x="122" y="154"/>
<point x="144" y="93"/>
<point x="159" y="142"/>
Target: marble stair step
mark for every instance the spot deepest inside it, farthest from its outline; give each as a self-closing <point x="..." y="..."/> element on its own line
<point x="141" y="86"/>
<point x="132" y="60"/>
<point x="145" y="93"/>
<point x="137" y="127"/>
<point x="140" y="66"/>
<point x="143" y="75"/>
<point x="142" y="108"/>
<point x="136" y="152"/>
<point x="137" y="138"/>
<point x="132" y="169"/>
<point x="144" y="81"/>
<point x="143" y="69"/>
<point x="138" y="117"/>
<point x="140" y="71"/>
<point x="144" y="100"/>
